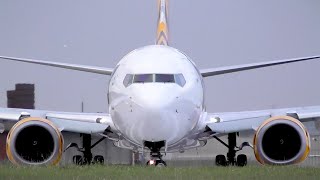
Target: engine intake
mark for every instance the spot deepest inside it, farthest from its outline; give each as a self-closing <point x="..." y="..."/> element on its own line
<point x="34" y="141"/>
<point x="281" y="140"/>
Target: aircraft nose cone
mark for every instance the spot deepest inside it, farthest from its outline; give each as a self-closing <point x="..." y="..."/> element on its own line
<point x="152" y="113"/>
<point x="154" y="98"/>
<point x="153" y="102"/>
<point x="155" y="108"/>
<point x="156" y="125"/>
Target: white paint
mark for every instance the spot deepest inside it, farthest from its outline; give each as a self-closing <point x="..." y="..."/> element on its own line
<point x="156" y="111"/>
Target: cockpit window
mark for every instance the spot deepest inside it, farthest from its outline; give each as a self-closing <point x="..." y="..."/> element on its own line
<point x="128" y="80"/>
<point x="180" y="79"/>
<point x="154" y="78"/>
<point x="143" y="78"/>
<point x="165" y="78"/>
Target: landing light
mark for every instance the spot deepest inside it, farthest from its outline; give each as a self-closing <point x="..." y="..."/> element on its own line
<point x="215" y="120"/>
<point x="151" y="162"/>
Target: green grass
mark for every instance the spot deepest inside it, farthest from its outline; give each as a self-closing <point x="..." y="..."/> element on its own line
<point x="153" y="173"/>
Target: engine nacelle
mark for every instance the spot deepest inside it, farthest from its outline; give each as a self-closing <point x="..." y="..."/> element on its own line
<point x="281" y="140"/>
<point x="34" y="141"/>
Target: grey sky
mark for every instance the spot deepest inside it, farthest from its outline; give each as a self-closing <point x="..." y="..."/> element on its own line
<point x="212" y="33"/>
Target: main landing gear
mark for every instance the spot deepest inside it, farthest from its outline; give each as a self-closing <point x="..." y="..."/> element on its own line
<point x="155" y="155"/>
<point x="87" y="157"/>
<point x="231" y="159"/>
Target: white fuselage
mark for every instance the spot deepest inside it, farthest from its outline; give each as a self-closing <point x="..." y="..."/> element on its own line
<point x="155" y="111"/>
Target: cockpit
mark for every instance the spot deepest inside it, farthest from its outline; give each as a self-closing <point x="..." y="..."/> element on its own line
<point x="154" y="78"/>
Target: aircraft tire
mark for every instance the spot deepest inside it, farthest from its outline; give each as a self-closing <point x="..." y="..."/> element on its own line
<point x="221" y="160"/>
<point x="241" y="160"/>
<point x="98" y="160"/>
<point x="78" y="160"/>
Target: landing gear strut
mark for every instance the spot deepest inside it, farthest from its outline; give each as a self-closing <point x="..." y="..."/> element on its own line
<point x="241" y="160"/>
<point x="87" y="157"/>
<point x="155" y="155"/>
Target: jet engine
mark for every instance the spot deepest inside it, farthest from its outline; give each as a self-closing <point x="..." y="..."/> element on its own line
<point x="34" y="141"/>
<point x="281" y="140"/>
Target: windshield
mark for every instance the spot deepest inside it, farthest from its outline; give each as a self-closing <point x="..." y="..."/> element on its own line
<point x="169" y="78"/>
<point x="154" y="78"/>
<point x="143" y="78"/>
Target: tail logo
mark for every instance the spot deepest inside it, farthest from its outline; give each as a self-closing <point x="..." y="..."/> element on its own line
<point x="162" y="32"/>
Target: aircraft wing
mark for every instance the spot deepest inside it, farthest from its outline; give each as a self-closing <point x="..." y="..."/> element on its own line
<point x="91" y="69"/>
<point x="89" y="123"/>
<point x="244" y="67"/>
<point x="251" y="120"/>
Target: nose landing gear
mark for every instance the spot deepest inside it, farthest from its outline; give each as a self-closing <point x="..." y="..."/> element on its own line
<point x="155" y="155"/>
<point x="156" y="160"/>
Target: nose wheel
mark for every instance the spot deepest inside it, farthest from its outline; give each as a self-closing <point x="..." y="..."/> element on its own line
<point x="157" y="163"/>
<point x="231" y="159"/>
<point x="155" y="155"/>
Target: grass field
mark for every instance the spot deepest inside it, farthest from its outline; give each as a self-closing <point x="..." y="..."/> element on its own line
<point x="129" y="172"/>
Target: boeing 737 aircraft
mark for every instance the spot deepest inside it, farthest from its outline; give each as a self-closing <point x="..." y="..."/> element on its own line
<point x="156" y="105"/>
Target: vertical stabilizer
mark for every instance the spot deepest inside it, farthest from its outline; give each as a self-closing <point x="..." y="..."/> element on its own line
<point x="163" y="31"/>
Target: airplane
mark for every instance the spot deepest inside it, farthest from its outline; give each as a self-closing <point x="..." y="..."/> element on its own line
<point x="156" y="105"/>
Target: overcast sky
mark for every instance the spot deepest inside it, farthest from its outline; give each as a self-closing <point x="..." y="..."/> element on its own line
<point x="213" y="33"/>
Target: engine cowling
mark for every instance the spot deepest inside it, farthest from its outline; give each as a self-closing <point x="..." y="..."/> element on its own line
<point x="281" y="140"/>
<point x="34" y="141"/>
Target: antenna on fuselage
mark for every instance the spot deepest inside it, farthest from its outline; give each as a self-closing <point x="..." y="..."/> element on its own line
<point x="82" y="106"/>
<point x="163" y="30"/>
